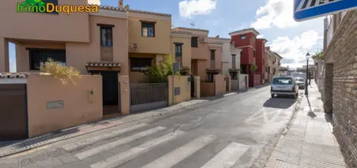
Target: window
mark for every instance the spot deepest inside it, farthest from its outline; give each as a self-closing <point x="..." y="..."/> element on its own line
<point x="234" y="61"/>
<point x="148" y="29"/>
<point x="194" y="42"/>
<point x="140" y="64"/>
<point x="178" y="54"/>
<point x="106" y="36"/>
<point x="39" y="56"/>
<point x="243" y="37"/>
<point x="283" y="81"/>
<point x="213" y="55"/>
<point x="178" y="49"/>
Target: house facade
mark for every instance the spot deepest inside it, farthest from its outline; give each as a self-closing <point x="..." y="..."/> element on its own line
<point x="252" y="55"/>
<point x="146" y="31"/>
<point x="272" y="64"/>
<point x="93" y="43"/>
<point x="206" y="60"/>
<point x="230" y="62"/>
<point x="181" y="50"/>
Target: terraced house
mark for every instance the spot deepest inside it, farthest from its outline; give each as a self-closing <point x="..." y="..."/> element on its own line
<point x="272" y="64"/>
<point x="252" y="56"/>
<point x="93" y="43"/>
<point x="206" y="61"/>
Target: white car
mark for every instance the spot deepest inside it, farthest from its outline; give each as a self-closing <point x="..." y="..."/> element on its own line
<point x="284" y="86"/>
<point x="300" y="82"/>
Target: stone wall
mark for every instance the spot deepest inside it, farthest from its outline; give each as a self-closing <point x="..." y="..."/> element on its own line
<point x="341" y="57"/>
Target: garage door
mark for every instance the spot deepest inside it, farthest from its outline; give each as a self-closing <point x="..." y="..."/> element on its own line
<point x="13" y="112"/>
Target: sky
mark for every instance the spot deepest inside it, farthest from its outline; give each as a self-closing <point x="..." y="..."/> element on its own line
<point x="272" y="18"/>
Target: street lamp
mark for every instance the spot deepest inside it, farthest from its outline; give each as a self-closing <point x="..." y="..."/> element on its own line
<point x="307" y="74"/>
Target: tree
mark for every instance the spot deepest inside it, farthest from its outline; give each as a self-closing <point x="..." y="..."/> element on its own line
<point x="318" y="56"/>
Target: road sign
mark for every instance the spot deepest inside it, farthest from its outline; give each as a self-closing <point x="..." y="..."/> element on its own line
<point x="306" y="9"/>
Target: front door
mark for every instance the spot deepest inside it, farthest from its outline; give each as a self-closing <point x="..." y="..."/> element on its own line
<point x="110" y="88"/>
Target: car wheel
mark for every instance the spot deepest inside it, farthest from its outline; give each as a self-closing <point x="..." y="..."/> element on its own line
<point x="272" y="96"/>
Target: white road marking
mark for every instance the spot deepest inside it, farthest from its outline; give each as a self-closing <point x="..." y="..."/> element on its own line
<point x="176" y="156"/>
<point x="97" y="138"/>
<point x="105" y="147"/>
<point x="120" y="158"/>
<point x="227" y="157"/>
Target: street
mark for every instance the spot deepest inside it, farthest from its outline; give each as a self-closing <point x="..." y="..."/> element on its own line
<point x="228" y="132"/>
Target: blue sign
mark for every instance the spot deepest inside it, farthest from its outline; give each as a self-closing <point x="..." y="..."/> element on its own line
<point x="306" y="9"/>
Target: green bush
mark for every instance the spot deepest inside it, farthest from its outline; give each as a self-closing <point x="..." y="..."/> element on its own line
<point x="159" y="73"/>
<point x="253" y="68"/>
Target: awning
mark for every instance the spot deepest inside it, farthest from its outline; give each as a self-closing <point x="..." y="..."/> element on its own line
<point x="10" y="75"/>
<point x="103" y="66"/>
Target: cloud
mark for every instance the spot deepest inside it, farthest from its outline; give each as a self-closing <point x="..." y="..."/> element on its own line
<point x="293" y="50"/>
<point x="278" y="13"/>
<point x="189" y="8"/>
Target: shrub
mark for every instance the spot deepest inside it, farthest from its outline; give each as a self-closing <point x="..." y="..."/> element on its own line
<point x="59" y="71"/>
<point x="253" y="68"/>
<point x="159" y="73"/>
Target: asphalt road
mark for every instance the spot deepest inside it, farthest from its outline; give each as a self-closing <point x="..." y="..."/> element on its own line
<point x="227" y="132"/>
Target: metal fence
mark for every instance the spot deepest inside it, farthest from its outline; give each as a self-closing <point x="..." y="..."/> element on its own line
<point x="143" y="93"/>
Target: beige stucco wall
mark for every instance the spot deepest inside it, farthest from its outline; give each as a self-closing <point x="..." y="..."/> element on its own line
<point x="197" y="87"/>
<point x="36" y="26"/>
<point x="220" y="85"/>
<point x="78" y="54"/>
<point x="159" y="44"/>
<point x="199" y="68"/>
<point x="186" y="48"/>
<point x="185" y="89"/>
<point x="201" y="52"/>
<point x="79" y="105"/>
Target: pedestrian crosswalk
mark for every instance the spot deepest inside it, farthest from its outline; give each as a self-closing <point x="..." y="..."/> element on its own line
<point x="121" y="158"/>
<point x="154" y="138"/>
<point x="94" y="139"/>
<point x="105" y="147"/>
<point x="181" y="153"/>
<point x="227" y="157"/>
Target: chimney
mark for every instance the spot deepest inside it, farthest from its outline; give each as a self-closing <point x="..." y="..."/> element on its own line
<point x="121" y="4"/>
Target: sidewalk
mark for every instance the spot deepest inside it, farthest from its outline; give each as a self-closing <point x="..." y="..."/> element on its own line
<point x="309" y="141"/>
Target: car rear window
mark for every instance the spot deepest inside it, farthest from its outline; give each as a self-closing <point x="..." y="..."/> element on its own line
<point x="283" y="81"/>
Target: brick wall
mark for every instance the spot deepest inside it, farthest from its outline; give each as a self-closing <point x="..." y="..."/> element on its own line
<point x="341" y="55"/>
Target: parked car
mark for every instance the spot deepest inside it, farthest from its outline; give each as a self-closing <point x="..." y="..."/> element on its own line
<point x="300" y="82"/>
<point x="284" y="86"/>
